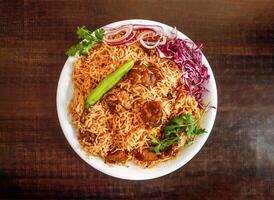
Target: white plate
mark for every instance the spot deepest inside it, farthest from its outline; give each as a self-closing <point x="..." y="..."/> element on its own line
<point x="132" y="172"/>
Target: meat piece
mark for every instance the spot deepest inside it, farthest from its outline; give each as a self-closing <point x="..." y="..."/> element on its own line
<point x="87" y="137"/>
<point x="121" y="97"/>
<point x="152" y="75"/>
<point x="134" y="76"/>
<point x="111" y="101"/>
<point x="145" y="75"/>
<point x="149" y="79"/>
<point x="155" y="70"/>
<point x="169" y="152"/>
<point x="149" y="156"/>
<point x="151" y="113"/>
<point x="116" y="157"/>
<point x="146" y="155"/>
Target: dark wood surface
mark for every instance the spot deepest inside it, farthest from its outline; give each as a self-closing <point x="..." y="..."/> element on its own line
<point x="237" y="161"/>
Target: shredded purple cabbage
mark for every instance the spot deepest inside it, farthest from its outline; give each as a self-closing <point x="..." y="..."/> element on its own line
<point x="188" y="57"/>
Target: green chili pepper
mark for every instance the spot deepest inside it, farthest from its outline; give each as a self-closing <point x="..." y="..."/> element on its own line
<point x="107" y="83"/>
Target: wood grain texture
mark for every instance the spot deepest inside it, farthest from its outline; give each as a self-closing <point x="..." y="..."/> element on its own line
<point x="237" y="161"/>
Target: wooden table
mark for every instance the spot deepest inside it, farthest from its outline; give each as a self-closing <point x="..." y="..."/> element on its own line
<point x="237" y="161"/>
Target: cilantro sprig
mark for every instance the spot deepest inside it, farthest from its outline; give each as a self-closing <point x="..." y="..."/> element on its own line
<point x="163" y="144"/>
<point x="88" y="40"/>
<point x="174" y="128"/>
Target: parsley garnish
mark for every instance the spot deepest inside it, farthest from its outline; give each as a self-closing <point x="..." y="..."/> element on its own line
<point x="89" y="39"/>
<point x="174" y="129"/>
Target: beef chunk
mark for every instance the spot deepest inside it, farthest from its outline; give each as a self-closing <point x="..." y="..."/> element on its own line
<point x="146" y="155"/>
<point x="120" y="97"/>
<point x="145" y="75"/>
<point x="116" y="157"/>
<point x="151" y="113"/>
<point x="111" y="101"/>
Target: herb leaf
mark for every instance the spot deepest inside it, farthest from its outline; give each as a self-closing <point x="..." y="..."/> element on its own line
<point x="85" y="47"/>
<point x="154" y="139"/>
<point x="174" y="126"/>
<point x="174" y="129"/>
<point x="198" y="131"/>
<point x="89" y="39"/>
<point x="164" y="144"/>
<point x="73" y="50"/>
<point x="191" y="128"/>
<point x="84" y="33"/>
<point x="99" y="33"/>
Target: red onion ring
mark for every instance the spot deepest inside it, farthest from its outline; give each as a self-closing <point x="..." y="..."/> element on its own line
<point x="162" y="41"/>
<point x="148" y="27"/>
<point x="131" y="36"/>
<point x="163" y="38"/>
<point x="128" y="29"/>
<point x="132" y="39"/>
<point x="147" y="44"/>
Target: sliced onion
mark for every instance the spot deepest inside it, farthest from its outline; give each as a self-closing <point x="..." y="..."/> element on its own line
<point x="147" y="44"/>
<point x="132" y="35"/>
<point x="127" y="29"/>
<point x="148" y="27"/>
<point x="110" y="30"/>
<point x="132" y="39"/>
<point x="162" y="41"/>
<point x="160" y="54"/>
<point x="174" y="33"/>
<point x="163" y="38"/>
